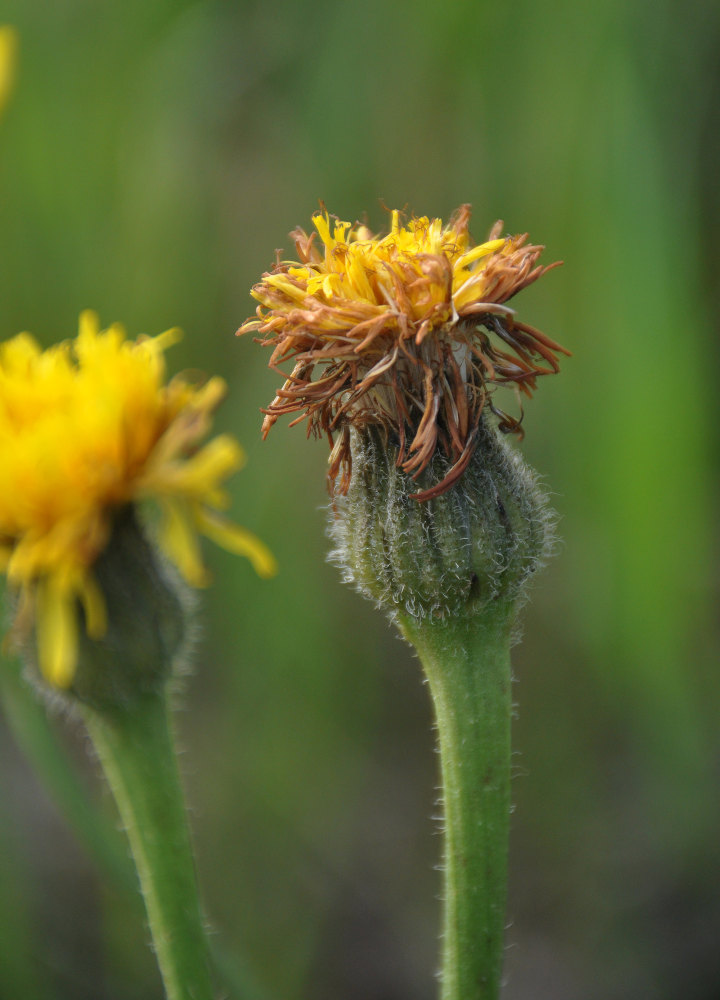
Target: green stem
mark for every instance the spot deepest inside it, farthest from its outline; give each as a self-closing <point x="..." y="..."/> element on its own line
<point x="467" y="663"/>
<point x="136" y="751"/>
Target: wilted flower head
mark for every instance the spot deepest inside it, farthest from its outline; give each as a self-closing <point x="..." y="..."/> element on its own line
<point x="408" y="331"/>
<point x="86" y="428"/>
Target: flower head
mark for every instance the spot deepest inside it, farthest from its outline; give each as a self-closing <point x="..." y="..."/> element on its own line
<point x="408" y="331"/>
<point x="86" y="428"/>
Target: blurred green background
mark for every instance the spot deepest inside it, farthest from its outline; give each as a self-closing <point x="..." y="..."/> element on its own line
<point x="152" y="157"/>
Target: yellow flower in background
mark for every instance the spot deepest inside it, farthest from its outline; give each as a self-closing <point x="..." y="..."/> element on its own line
<point x="8" y="60"/>
<point x="87" y="427"/>
<point x="409" y="332"/>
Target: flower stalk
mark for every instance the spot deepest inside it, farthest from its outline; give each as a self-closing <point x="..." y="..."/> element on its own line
<point x="467" y="664"/>
<point x="135" y="748"/>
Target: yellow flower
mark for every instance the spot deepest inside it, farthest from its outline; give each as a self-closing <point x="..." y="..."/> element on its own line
<point x="87" y="427"/>
<point x="8" y="59"/>
<point x="406" y="331"/>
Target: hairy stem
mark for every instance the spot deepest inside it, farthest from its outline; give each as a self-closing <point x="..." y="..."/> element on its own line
<point x="135" y="748"/>
<point x="467" y="663"/>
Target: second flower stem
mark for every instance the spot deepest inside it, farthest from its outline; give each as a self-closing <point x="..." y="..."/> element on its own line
<point x="467" y="663"/>
<point x="136" y="750"/>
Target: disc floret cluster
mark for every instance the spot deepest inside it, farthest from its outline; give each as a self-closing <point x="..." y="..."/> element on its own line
<point x="410" y="332"/>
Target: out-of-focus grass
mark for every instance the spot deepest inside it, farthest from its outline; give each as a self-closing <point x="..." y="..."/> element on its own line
<point x="152" y="157"/>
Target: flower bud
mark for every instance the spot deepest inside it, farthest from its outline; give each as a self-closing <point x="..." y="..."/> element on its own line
<point x="147" y="621"/>
<point x="147" y="625"/>
<point x="476" y="544"/>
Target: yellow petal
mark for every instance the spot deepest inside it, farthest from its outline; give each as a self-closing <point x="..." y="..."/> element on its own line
<point x="167" y="339"/>
<point x="209" y="396"/>
<point x="199" y="475"/>
<point x="236" y="540"/>
<point x="283" y="285"/>
<point x="89" y="325"/>
<point x="56" y="627"/>
<point x="8" y="60"/>
<point x="93" y="602"/>
<point x="180" y="541"/>
<point x="322" y="224"/>
<point x="482" y="250"/>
